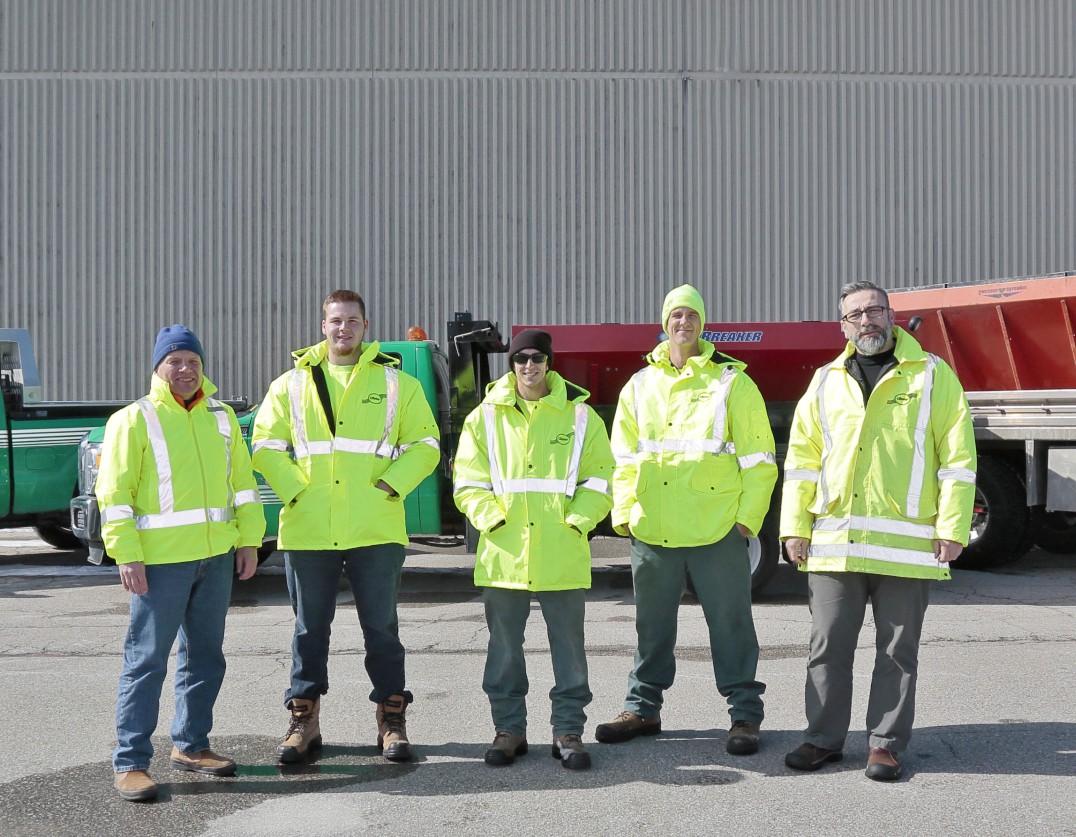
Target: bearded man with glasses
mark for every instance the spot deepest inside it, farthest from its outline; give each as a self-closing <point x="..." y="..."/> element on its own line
<point x="877" y="501"/>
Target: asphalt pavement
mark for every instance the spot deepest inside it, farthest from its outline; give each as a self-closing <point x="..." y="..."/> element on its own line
<point x="994" y="751"/>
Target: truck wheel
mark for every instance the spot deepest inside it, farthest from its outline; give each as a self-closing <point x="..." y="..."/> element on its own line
<point x="1001" y="523"/>
<point x="265" y="550"/>
<point x="765" y="553"/>
<point x="58" y="536"/>
<point x="470" y="538"/>
<point x="1054" y="531"/>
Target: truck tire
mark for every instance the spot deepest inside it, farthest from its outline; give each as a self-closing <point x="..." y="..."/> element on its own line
<point x="58" y="536"/>
<point x="765" y="553"/>
<point x="265" y="550"/>
<point x="1054" y="531"/>
<point x="1001" y="523"/>
<point x="470" y="538"/>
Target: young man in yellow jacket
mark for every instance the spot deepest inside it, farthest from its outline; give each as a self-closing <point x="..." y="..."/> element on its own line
<point x="180" y="512"/>
<point x="342" y="438"/>
<point x="532" y="475"/>
<point x="695" y="468"/>
<point x="877" y="500"/>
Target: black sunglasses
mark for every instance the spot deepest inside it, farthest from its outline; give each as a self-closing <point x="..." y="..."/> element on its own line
<point x="522" y="357"/>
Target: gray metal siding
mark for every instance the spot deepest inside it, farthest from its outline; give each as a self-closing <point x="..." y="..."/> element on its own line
<point x="225" y="164"/>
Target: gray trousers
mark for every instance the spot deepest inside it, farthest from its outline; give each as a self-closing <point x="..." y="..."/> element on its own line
<point x="505" y="680"/>
<point x="838" y="604"/>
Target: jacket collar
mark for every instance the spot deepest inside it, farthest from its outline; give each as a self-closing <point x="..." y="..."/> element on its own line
<point x="160" y="392"/>
<point x="502" y="392"/>
<point x="318" y="353"/>
<point x="907" y="350"/>
<point x="708" y="354"/>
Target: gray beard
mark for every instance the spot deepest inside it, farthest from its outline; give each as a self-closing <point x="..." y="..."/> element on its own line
<point x="871" y="344"/>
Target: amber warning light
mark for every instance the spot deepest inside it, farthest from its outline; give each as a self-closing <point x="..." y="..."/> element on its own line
<point x="416" y="333"/>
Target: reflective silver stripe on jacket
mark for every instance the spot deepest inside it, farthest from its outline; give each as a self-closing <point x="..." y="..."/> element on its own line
<point x="957" y="474"/>
<point x="532" y="485"/>
<point x="247" y="496"/>
<point x="879" y="525"/>
<point x="919" y="459"/>
<point x="716" y="444"/>
<point x="305" y="448"/>
<point x="827" y="439"/>
<point x="874" y="553"/>
<point x="271" y="444"/>
<point x="157" y="443"/>
<point x="110" y="514"/>
<point x="805" y="474"/>
<point x="753" y="459"/>
<point x="221" y="414"/>
<point x="191" y="517"/>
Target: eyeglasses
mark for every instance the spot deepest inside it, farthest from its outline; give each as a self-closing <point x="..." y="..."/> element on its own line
<point x="873" y="312"/>
<point x="522" y="358"/>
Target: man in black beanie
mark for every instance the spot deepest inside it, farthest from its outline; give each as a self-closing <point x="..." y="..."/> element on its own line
<point x="532" y="475"/>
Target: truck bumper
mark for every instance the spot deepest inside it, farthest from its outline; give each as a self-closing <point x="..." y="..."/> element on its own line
<point x="86" y="526"/>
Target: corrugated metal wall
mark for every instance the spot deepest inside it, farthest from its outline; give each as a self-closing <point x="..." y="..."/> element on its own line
<point x="225" y="164"/>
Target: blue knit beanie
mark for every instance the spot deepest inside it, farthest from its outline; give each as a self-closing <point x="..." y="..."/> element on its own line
<point x="175" y="338"/>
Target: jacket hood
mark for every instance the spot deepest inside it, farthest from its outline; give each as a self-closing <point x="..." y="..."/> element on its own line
<point x="503" y="391"/>
<point x="709" y="353"/>
<point x="314" y="355"/>
<point x="906" y="350"/>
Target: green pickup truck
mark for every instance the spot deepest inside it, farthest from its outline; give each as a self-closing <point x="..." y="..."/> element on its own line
<point x="453" y="379"/>
<point x="39" y="444"/>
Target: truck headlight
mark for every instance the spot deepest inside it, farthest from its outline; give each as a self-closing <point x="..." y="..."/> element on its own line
<point x="89" y="462"/>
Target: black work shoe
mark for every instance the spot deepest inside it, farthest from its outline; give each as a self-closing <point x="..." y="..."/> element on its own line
<point x="743" y="739"/>
<point x="882" y="765"/>
<point x="504" y="749"/>
<point x="569" y="749"/>
<point x="626" y="726"/>
<point x="810" y="757"/>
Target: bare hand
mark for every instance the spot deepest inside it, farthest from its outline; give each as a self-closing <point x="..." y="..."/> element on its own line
<point x="946" y="551"/>
<point x="133" y="577"/>
<point x="743" y="530"/>
<point x="388" y="489"/>
<point x="246" y="561"/>
<point x="796" y="549"/>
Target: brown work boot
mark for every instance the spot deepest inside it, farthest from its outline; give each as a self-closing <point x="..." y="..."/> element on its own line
<point x="882" y="765"/>
<point x="569" y="749"/>
<point x="810" y="757"/>
<point x="626" y="726"/>
<point x="505" y="747"/>
<point x="743" y="739"/>
<point x="136" y="786"/>
<point x="392" y="729"/>
<point x="204" y="761"/>
<point x="304" y="731"/>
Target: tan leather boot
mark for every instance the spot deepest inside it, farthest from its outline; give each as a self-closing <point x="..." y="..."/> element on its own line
<point x="392" y="729"/>
<point x="304" y="731"/>
<point x="136" y="786"/>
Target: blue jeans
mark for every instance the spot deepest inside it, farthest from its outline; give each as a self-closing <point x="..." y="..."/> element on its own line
<point x="505" y="680"/>
<point x="189" y="599"/>
<point x="721" y="573"/>
<point x="313" y="584"/>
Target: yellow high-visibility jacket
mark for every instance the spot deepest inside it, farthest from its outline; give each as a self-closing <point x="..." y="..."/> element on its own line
<point x="872" y="485"/>
<point x="694" y="451"/>
<point x="175" y="485"/>
<point x="525" y="480"/>
<point x="385" y="430"/>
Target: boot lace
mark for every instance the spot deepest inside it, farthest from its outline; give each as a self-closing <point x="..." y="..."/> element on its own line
<point x="394" y="722"/>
